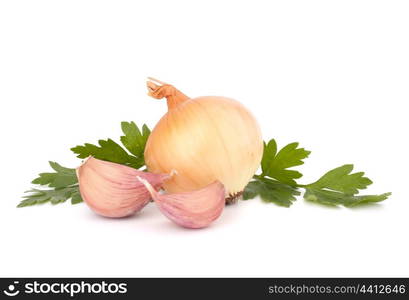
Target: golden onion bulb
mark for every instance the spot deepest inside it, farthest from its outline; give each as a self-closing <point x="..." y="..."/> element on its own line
<point x="204" y="139"/>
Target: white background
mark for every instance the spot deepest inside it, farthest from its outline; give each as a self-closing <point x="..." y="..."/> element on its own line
<point x="332" y="75"/>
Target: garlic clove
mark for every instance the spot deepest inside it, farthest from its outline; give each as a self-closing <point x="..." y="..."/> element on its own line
<point x="195" y="209"/>
<point x="112" y="190"/>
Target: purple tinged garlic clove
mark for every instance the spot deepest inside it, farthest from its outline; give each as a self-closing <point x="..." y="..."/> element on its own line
<point x="195" y="209"/>
<point x="112" y="190"/>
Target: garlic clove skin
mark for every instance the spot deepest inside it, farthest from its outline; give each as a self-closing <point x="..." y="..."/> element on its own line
<point x="112" y="190"/>
<point x="197" y="209"/>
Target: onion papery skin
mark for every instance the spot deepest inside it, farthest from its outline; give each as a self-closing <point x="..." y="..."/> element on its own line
<point x="205" y="139"/>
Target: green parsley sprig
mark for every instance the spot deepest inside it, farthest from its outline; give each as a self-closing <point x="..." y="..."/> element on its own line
<point x="133" y="139"/>
<point x="277" y="184"/>
<point x="62" y="185"/>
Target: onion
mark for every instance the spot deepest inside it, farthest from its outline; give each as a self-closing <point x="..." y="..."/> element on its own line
<point x="204" y="139"/>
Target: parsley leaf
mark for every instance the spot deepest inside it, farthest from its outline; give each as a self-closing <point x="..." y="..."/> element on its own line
<point x="55" y="196"/>
<point x="276" y="184"/>
<point x="275" y="164"/>
<point x="108" y="150"/>
<point x="340" y="179"/>
<point x="134" y="140"/>
<point x="336" y="198"/>
<point x="271" y="191"/>
<point x="61" y="178"/>
<point x="339" y="187"/>
<point x="63" y="185"/>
